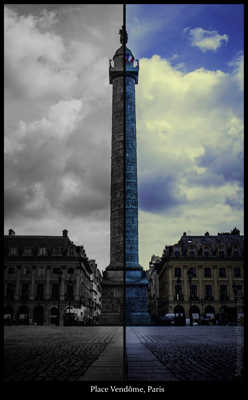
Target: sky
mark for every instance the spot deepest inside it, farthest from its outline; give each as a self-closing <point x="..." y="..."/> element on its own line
<point x="58" y="104"/>
<point x="189" y="112"/>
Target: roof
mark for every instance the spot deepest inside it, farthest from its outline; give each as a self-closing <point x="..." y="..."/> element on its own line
<point x="37" y="241"/>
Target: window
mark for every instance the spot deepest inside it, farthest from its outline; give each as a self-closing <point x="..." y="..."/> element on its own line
<point x="207" y="272"/>
<point x="222" y="272"/>
<point x="208" y="291"/>
<point x="177" y="253"/>
<point x="11" y="270"/>
<point x="10" y="291"/>
<point x="55" y="291"/>
<point x="26" y="271"/>
<point x="70" y="271"/>
<point x="40" y="291"/>
<point x="178" y="292"/>
<point x="221" y="253"/>
<point x="206" y="253"/>
<point x="13" y="251"/>
<point x="193" y="291"/>
<point x="25" y="291"/>
<point x="239" y="290"/>
<point x="235" y="253"/>
<point x="223" y="292"/>
<point x="193" y="272"/>
<point x="237" y="272"/>
<point x="41" y="272"/>
<point x="56" y="251"/>
<point x="69" y="291"/>
<point x="42" y="251"/>
<point x="27" y="251"/>
<point x="178" y="272"/>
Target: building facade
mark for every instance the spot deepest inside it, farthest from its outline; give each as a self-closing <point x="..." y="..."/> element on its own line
<point x="153" y="287"/>
<point x="96" y="290"/>
<point x="45" y="277"/>
<point x="201" y="278"/>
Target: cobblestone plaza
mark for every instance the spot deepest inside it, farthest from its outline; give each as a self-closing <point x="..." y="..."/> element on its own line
<point x="164" y="354"/>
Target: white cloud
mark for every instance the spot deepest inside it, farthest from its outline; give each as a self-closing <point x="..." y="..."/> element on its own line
<point x="190" y="149"/>
<point x="206" y="40"/>
<point x="39" y="62"/>
<point x="238" y="70"/>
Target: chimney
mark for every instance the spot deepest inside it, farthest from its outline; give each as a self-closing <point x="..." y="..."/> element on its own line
<point x="11" y="232"/>
<point x="65" y="233"/>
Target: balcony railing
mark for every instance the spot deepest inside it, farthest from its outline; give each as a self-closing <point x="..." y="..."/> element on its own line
<point x="179" y="298"/>
<point x="209" y="298"/>
<point x="224" y="298"/>
<point x="194" y="298"/>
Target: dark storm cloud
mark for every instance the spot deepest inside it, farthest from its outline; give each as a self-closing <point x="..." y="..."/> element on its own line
<point x="19" y="201"/>
<point x="227" y="165"/>
<point x="159" y="194"/>
<point x="58" y="119"/>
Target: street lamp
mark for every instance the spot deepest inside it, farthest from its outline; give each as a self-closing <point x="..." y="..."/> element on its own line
<point x="190" y="276"/>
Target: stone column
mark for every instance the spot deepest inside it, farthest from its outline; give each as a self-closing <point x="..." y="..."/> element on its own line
<point x="131" y="201"/>
<point x="117" y="172"/>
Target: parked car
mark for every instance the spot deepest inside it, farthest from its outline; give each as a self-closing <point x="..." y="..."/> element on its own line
<point x="168" y="319"/>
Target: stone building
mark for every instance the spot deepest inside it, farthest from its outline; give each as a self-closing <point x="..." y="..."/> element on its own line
<point x="153" y="287"/>
<point x="96" y="289"/>
<point x="45" y="277"/>
<point x="201" y="277"/>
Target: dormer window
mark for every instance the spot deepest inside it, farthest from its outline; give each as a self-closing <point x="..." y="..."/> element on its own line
<point x="56" y="251"/>
<point x="13" y="251"/>
<point x="42" y="251"/>
<point x="27" y="251"/>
